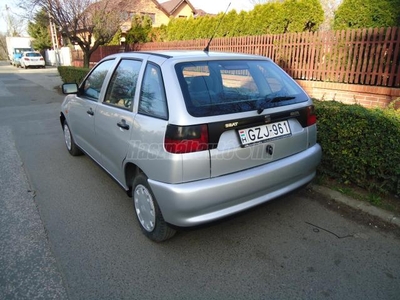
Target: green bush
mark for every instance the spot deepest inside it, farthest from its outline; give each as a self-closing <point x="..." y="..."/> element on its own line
<point x="274" y="17"/>
<point x="367" y="14"/>
<point x="360" y="145"/>
<point x="72" y="74"/>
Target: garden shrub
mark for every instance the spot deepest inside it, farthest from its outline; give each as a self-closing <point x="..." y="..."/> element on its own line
<point x="272" y="17"/>
<point x="360" y="145"/>
<point x="72" y="74"/>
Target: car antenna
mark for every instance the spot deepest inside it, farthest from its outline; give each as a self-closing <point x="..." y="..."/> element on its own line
<point x="207" y="48"/>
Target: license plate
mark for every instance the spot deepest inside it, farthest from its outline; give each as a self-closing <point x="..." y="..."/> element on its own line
<point x="263" y="133"/>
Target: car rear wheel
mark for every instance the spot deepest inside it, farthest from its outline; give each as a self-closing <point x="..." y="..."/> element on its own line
<point x="72" y="148"/>
<point x="148" y="212"/>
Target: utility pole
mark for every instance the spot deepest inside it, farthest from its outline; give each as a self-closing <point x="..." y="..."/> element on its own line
<point x="54" y="39"/>
<point x="9" y="25"/>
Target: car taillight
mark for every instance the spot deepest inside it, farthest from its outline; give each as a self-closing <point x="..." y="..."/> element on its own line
<point x="311" y="116"/>
<point x="26" y="58"/>
<point x="186" y="139"/>
<point x="41" y="58"/>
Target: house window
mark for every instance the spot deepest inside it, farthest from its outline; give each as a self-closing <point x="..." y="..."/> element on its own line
<point x="152" y="16"/>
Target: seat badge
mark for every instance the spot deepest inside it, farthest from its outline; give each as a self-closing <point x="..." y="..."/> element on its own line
<point x="230" y="125"/>
<point x="294" y="114"/>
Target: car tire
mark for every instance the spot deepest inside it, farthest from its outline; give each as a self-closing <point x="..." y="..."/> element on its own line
<point x="148" y="212"/>
<point x="72" y="148"/>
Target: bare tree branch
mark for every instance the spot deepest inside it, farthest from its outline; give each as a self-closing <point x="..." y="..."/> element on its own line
<point x="15" y="24"/>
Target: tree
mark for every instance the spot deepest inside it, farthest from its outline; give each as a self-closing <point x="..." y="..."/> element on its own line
<point x="39" y="30"/>
<point x="273" y="17"/>
<point x="87" y="23"/>
<point x="303" y="15"/>
<point x="367" y="14"/>
<point x="140" y="30"/>
<point x="158" y="34"/>
<point x="268" y="18"/>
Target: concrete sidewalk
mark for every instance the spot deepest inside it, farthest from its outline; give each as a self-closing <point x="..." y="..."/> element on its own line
<point x="28" y="268"/>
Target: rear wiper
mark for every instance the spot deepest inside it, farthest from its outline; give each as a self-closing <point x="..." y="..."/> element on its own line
<point x="272" y="100"/>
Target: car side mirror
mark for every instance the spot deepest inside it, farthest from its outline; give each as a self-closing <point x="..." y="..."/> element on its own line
<point x="69" y="88"/>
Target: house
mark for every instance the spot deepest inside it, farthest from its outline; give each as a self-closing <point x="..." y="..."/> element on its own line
<point x="159" y="13"/>
<point x="179" y="8"/>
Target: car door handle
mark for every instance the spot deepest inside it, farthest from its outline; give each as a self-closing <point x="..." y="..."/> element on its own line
<point x="90" y="112"/>
<point x="123" y="124"/>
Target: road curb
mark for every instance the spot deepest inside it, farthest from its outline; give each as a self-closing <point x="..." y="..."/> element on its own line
<point x="365" y="207"/>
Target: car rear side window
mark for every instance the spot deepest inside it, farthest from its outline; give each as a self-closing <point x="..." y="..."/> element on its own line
<point x="122" y="87"/>
<point x="152" y="95"/>
<point x="223" y="87"/>
<point x="94" y="82"/>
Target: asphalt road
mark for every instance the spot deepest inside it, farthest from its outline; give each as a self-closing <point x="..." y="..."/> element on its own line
<point x="68" y="231"/>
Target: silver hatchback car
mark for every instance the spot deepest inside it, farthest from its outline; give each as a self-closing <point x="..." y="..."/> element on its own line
<point x="193" y="136"/>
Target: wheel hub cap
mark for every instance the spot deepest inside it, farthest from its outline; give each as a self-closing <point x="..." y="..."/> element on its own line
<point x="144" y="207"/>
<point x="67" y="137"/>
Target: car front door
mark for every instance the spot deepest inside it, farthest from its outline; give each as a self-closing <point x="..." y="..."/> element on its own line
<point x="114" y="117"/>
<point x="83" y="108"/>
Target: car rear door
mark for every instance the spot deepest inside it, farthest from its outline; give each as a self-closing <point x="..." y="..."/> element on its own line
<point x="255" y="113"/>
<point x="273" y="132"/>
<point x="114" y="117"/>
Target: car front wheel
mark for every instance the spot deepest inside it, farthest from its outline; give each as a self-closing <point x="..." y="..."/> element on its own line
<point x="148" y="212"/>
<point x="72" y="148"/>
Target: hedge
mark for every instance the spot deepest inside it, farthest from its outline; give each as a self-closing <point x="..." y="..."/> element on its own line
<point x="72" y="74"/>
<point x="274" y="17"/>
<point x="360" y="145"/>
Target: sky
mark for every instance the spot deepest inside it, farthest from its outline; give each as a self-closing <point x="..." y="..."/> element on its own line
<point x="13" y="8"/>
<point x="210" y="6"/>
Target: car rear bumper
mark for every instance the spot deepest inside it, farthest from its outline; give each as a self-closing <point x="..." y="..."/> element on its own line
<point x="34" y="64"/>
<point x="202" y="201"/>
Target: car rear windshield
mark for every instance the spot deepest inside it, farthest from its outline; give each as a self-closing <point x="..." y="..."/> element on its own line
<point x="230" y="86"/>
<point x="33" y="54"/>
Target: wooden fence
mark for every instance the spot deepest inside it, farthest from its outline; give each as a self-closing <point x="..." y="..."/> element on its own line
<point x="362" y="56"/>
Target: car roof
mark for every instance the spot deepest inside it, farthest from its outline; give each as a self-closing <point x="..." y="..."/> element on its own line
<point x="191" y="54"/>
